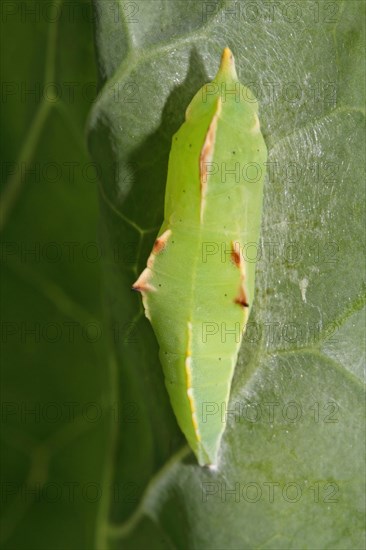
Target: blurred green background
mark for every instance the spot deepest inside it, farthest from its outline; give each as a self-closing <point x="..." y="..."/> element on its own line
<point x="91" y="453"/>
<point x="54" y="424"/>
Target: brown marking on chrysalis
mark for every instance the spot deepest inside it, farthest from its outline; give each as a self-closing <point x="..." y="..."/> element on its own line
<point x="207" y="154"/>
<point x="235" y="257"/>
<point x="161" y="241"/>
<point x="241" y="299"/>
<point x="158" y="247"/>
<point x="142" y="284"/>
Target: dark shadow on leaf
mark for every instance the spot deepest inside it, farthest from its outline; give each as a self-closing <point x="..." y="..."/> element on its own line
<point x="149" y="162"/>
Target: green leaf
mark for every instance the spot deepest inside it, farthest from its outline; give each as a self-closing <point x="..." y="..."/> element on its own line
<point x="291" y="469"/>
<point x="291" y="473"/>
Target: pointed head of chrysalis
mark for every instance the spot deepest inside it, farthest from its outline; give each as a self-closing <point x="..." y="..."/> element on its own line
<point x="227" y="71"/>
<point x="226" y="87"/>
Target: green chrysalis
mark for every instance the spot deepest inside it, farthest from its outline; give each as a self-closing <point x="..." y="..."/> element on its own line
<point x="198" y="288"/>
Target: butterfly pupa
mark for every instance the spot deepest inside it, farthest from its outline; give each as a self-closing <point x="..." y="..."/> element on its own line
<point x="198" y="287"/>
